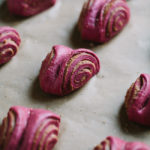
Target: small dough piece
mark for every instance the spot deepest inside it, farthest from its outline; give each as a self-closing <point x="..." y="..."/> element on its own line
<point x="29" y="7"/>
<point x="28" y="129"/>
<point x="65" y="70"/>
<point x="101" y="20"/>
<point x="9" y="43"/>
<point x="137" y="100"/>
<point x="114" y="143"/>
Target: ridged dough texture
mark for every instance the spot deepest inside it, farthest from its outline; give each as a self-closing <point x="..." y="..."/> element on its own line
<point x="137" y="100"/>
<point x="65" y="70"/>
<point x="114" y="143"/>
<point x="29" y="7"/>
<point x="29" y="129"/>
<point x="101" y="20"/>
<point x="9" y="43"/>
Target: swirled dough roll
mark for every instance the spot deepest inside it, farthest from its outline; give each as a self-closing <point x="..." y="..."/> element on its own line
<point x="29" y="7"/>
<point x="29" y="129"/>
<point x="65" y="70"/>
<point x="101" y="20"/>
<point x="9" y="43"/>
<point x="137" y="100"/>
<point x="114" y="143"/>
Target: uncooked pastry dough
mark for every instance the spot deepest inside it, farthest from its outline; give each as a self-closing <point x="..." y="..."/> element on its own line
<point x="138" y="100"/>
<point x="95" y="111"/>
<point x="114" y="143"/>
<point x="28" y="7"/>
<point x="101" y="20"/>
<point x="28" y="129"/>
<point x="65" y="70"/>
<point x="9" y="43"/>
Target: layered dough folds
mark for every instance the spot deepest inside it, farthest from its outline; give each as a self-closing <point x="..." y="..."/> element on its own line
<point x="9" y="43"/>
<point x="101" y="20"/>
<point x="65" y="70"/>
<point x="29" y="129"/>
<point x="138" y="100"/>
<point x="114" y="143"/>
<point x="29" y="7"/>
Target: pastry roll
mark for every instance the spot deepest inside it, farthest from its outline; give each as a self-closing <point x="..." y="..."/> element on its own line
<point x="29" y="129"/>
<point x="101" y="20"/>
<point x="13" y="127"/>
<point x="65" y="70"/>
<point x="29" y="7"/>
<point x="114" y="143"/>
<point x="9" y="43"/>
<point x="137" y="100"/>
<point x="41" y="131"/>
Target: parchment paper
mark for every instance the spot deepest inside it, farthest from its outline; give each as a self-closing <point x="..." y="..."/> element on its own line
<point x="95" y="111"/>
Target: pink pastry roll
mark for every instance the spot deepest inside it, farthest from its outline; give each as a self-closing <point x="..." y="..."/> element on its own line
<point x="9" y="43"/>
<point x="101" y="20"/>
<point x="13" y="127"/>
<point x="137" y="100"/>
<point x="65" y="70"/>
<point x="41" y="131"/>
<point x="29" y="129"/>
<point x="29" y="7"/>
<point x="113" y="143"/>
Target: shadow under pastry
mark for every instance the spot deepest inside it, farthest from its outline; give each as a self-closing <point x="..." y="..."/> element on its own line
<point x="7" y="17"/>
<point x="77" y="41"/>
<point x="4" y="65"/>
<point x="129" y="127"/>
<point x="38" y="95"/>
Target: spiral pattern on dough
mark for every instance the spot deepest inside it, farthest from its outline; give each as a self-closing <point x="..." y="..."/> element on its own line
<point x="29" y="7"/>
<point x="101" y="20"/>
<point x="29" y="129"/>
<point x="13" y="127"/>
<point x="114" y="143"/>
<point x="46" y="135"/>
<point x="9" y="43"/>
<point x="7" y="128"/>
<point x="65" y="70"/>
<point x="44" y="130"/>
<point x="137" y="100"/>
<point x="110" y="143"/>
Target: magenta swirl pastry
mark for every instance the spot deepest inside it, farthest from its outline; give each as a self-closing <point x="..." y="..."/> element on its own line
<point x="13" y="127"/>
<point x="9" y="43"/>
<point x="113" y="143"/>
<point x="101" y="20"/>
<point x="65" y="70"/>
<point x="137" y="100"/>
<point x="29" y="129"/>
<point x="29" y="7"/>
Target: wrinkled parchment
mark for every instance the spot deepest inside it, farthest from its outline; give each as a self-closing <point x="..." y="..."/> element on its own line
<point x="95" y="111"/>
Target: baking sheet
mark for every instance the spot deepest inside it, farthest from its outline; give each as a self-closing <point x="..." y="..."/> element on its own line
<point x="95" y="111"/>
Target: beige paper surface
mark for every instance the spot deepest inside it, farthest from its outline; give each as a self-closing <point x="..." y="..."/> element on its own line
<point x="95" y="111"/>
